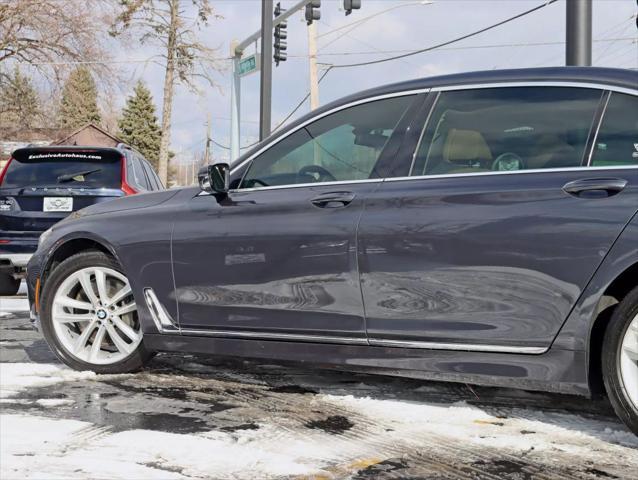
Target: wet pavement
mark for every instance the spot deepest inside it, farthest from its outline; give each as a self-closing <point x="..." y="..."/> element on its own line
<point x="296" y="422"/>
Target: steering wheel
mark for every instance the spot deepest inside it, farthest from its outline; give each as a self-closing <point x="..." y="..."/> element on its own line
<point x="507" y="162"/>
<point x="324" y="175"/>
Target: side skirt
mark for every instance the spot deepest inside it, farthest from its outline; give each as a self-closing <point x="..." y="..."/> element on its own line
<point x="562" y="371"/>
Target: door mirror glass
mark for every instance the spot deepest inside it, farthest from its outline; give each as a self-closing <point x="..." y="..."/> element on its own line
<point x="214" y="178"/>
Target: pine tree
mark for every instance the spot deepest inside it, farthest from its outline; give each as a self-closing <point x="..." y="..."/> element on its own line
<point x="138" y="124"/>
<point x="19" y="103"/>
<point x="79" y="100"/>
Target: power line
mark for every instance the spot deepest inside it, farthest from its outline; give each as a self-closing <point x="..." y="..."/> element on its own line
<point x="449" y="42"/>
<point x="468" y="47"/>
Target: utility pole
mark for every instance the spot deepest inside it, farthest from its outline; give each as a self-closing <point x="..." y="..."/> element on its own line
<point x="266" y="68"/>
<point x="235" y="102"/>
<point x="312" y="63"/>
<point x="208" y="139"/>
<point x="578" y="32"/>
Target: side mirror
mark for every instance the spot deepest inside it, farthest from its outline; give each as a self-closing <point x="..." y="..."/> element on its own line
<point x="214" y="178"/>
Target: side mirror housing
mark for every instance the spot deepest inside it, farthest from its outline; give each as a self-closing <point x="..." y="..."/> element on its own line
<point x="214" y="178"/>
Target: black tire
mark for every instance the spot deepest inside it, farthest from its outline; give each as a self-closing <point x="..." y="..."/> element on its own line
<point x="614" y="385"/>
<point x="133" y="362"/>
<point x="9" y="286"/>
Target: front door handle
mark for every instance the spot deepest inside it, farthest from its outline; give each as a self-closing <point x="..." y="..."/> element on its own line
<point x="610" y="185"/>
<point x="333" y="199"/>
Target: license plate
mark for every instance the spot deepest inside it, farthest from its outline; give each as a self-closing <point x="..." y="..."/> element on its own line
<point x="57" y="204"/>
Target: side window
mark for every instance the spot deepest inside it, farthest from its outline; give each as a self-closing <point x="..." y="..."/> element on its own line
<point x="150" y="175"/>
<point x="138" y="173"/>
<point x="506" y="129"/>
<point x="339" y="147"/>
<point x="617" y="141"/>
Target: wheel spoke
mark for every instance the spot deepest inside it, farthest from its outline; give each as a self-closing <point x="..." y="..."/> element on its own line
<point x="131" y="307"/>
<point x="80" y="343"/>
<point x="118" y="341"/>
<point x="87" y="287"/>
<point x="72" y="303"/>
<point x="100" y="281"/>
<point x="125" y="329"/>
<point x="97" y="344"/>
<point x="71" y="318"/>
<point x="630" y="345"/>
<point x="122" y="293"/>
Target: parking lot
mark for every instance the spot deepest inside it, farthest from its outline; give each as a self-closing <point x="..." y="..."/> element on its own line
<point x="205" y="417"/>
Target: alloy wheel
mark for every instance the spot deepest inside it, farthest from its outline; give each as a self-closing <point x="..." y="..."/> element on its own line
<point x="94" y="316"/>
<point x="629" y="361"/>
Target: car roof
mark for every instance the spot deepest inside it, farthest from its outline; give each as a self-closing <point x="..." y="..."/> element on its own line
<point x="605" y="77"/>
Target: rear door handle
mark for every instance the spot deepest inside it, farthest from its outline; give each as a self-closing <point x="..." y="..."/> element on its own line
<point x="610" y="185"/>
<point x="333" y="199"/>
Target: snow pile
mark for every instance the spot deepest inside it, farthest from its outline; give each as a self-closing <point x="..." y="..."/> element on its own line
<point x="15" y="377"/>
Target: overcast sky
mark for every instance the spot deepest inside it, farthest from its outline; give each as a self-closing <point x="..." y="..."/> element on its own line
<point x="408" y="25"/>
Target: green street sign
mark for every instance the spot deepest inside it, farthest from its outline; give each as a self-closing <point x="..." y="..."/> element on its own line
<point x="248" y="65"/>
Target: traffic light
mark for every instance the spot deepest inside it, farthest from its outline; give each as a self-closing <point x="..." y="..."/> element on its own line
<point x="350" y="5"/>
<point x="312" y="11"/>
<point x="281" y="34"/>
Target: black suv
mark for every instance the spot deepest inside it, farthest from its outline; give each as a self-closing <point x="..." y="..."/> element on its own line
<point x="40" y="186"/>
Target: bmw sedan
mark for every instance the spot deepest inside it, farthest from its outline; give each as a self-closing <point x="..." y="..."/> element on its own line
<point x="479" y="228"/>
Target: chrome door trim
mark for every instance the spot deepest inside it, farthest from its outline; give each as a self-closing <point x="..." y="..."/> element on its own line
<point x="513" y="172"/>
<point x="601" y="119"/>
<point x="378" y="342"/>
<point x="275" y="336"/>
<point x="375" y="342"/>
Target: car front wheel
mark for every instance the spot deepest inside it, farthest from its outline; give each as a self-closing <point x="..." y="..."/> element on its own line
<point x="89" y="316"/>
<point x="620" y="360"/>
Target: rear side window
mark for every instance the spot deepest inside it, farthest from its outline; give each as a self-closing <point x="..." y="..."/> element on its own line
<point x="37" y="168"/>
<point x="617" y="141"/>
<point x="506" y="129"/>
<point x="152" y="178"/>
<point x="139" y="177"/>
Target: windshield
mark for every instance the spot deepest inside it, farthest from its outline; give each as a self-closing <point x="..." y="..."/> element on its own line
<point x="91" y="169"/>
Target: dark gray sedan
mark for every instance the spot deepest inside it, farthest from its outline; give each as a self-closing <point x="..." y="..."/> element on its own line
<point x="479" y="228"/>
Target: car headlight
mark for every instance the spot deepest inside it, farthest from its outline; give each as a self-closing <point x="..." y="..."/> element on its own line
<point x="44" y="236"/>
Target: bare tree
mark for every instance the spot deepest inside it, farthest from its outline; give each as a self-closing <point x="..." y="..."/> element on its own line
<point x="50" y="34"/>
<point x="186" y="60"/>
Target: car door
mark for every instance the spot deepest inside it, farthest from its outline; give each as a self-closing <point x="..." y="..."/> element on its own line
<point x="276" y="257"/>
<point x="491" y="240"/>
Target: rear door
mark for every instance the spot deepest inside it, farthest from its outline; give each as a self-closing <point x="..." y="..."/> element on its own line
<point x="40" y="187"/>
<point x="491" y="240"/>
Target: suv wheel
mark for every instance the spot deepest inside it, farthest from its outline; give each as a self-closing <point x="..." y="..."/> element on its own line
<point x="620" y="360"/>
<point x="8" y="285"/>
<point x="89" y="316"/>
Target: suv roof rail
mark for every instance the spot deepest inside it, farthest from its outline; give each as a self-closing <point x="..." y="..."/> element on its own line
<point x="124" y="146"/>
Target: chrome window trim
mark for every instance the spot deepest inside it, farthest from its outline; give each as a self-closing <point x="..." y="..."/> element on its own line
<point x="313" y="184"/>
<point x="540" y="83"/>
<point x="514" y="172"/>
<point x="601" y="119"/>
<point x="425" y="127"/>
